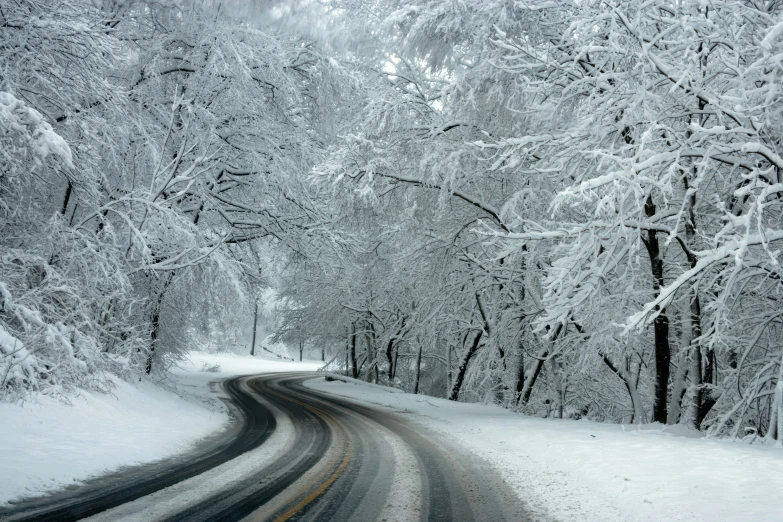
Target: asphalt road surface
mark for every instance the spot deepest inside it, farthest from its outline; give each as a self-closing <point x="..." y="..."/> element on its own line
<point x="295" y="454"/>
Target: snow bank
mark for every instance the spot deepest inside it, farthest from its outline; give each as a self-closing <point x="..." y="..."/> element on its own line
<point x="579" y="470"/>
<point x="232" y="364"/>
<point x="46" y="445"/>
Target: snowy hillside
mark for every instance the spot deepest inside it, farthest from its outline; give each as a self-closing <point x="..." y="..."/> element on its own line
<point x="48" y="444"/>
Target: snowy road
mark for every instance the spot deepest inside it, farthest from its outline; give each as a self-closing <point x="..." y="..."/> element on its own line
<point x="300" y="454"/>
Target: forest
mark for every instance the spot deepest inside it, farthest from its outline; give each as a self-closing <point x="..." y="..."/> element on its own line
<point x="572" y="209"/>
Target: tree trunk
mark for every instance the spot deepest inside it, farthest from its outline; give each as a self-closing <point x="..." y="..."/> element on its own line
<point x="418" y="367"/>
<point x="354" y="369"/>
<point x="559" y="383"/>
<point x="394" y="360"/>
<point x="369" y="341"/>
<point x="463" y="366"/>
<point x="530" y="381"/>
<point x="255" y="324"/>
<point x="679" y="387"/>
<point x="690" y="395"/>
<point x="389" y="351"/>
<point x="66" y="199"/>
<point x="704" y="356"/>
<point x="775" y="430"/>
<point x="153" y="340"/>
<point x="389" y="362"/>
<point x="704" y="364"/>
<point x="73" y="214"/>
<point x="347" y="349"/>
<point x="301" y="350"/>
<point x="448" y="368"/>
<point x="636" y="401"/>
<point x="520" y="369"/>
<point x="155" y="320"/>
<point x="529" y="378"/>
<point x="468" y="354"/>
<point x="660" y="325"/>
<point x="362" y="360"/>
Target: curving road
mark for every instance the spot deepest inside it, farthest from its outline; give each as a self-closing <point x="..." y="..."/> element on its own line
<point x="297" y="455"/>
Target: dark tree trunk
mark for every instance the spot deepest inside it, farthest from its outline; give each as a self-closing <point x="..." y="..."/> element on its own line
<point x="660" y="325"/>
<point x="153" y="339"/>
<point x="255" y="324"/>
<point x="73" y="214"/>
<point x="530" y="381"/>
<point x="560" y="384"/>
<point x="520" y="369"/>
<point x="354" y="369"/>
<point x="389" y="361"/>
<point x="530" y="378"/>
<point x="155" y="320"/>
<point x="418" y="367"/>
<point x="704" y="362"/>
<point x="372" y="363"/>
<point x="463" y="366"/>
<point x="394" y="361"/>
<point x="389" y="350"/>
<point x="448" y="369"/>
<point x="662" y="362"/>
<point x="66" y="199"/>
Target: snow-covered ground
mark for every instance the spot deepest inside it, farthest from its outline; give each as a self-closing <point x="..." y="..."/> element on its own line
<point x="579" y="470"/>
<point x="46" y="445"/>
<point x="231" y="364"/>
<point x="567" y="470"/>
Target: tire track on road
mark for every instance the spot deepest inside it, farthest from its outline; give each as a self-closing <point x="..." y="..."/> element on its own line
<point x="256" y="424"/>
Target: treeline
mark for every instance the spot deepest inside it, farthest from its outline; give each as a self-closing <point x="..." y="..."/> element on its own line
<point x="572" y="209"/>
<point x="147" y="151"/>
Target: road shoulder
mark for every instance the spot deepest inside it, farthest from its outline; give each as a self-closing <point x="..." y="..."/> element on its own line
<point x="52" y="446"/>
<point x="566" y="469"/>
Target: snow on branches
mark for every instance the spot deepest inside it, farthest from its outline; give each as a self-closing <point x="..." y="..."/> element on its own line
<point x="625" y="159"/>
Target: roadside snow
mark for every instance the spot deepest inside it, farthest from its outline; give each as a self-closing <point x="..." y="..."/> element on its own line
<point x="232" y="364"/>
<point x="46" y="445"/>
<point x="175" y="499"/>
<point x="579" y="470"/>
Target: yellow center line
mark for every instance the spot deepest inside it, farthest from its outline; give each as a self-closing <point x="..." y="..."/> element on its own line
<point x="312" y="496"/>
<point x="334" y="476"/>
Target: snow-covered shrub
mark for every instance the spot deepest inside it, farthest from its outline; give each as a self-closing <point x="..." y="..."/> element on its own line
<point x="46" y="332"/>
<point x="210" y="368"/>
<point x="56" y="284"/>
<point x="26" y="140"/>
